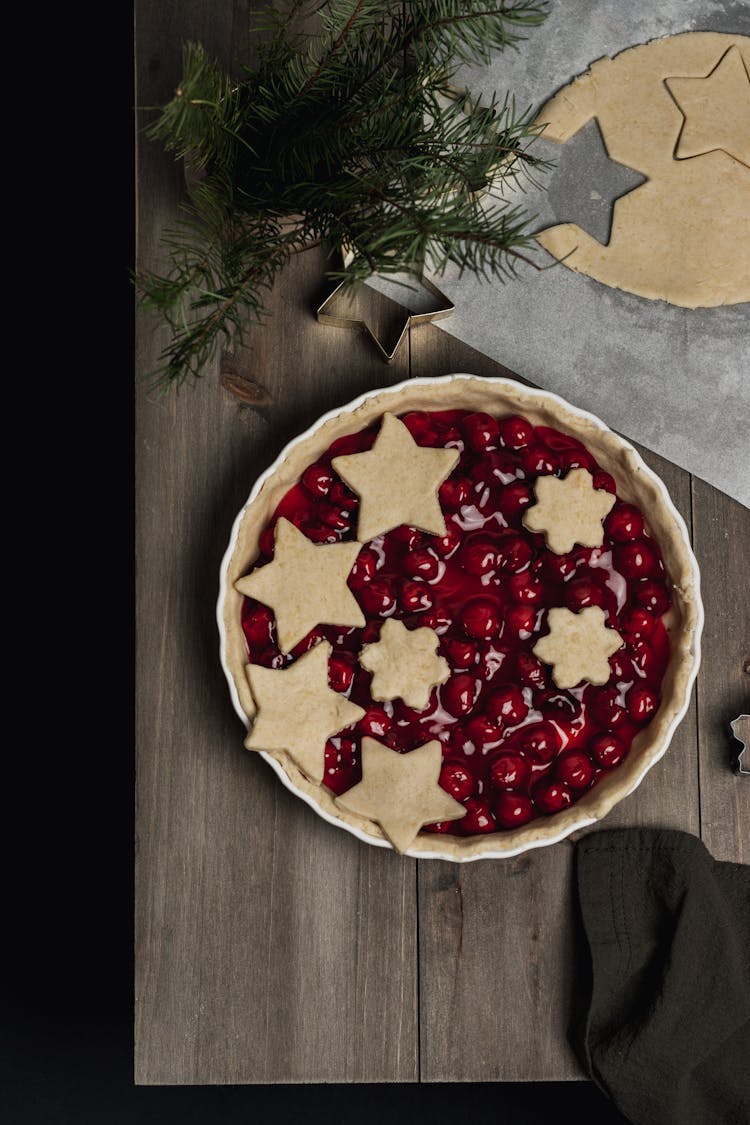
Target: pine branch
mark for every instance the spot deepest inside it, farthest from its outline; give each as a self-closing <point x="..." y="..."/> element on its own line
<point x="355" y="133"/>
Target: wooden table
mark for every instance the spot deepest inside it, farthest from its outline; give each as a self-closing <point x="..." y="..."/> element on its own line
<point x="271" y="946"/>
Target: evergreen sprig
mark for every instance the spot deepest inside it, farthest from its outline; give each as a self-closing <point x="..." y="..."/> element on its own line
<point x="350" y="137"/>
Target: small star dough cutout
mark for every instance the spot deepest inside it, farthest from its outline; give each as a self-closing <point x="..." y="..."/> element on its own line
<point x="304" y="584"/>
<point x="397" y="481"/>
<point x="400" y="791"/>
<point x="578" y="646"/>
<point x="716" y="110"/>
<point x="298" y="711"/>
<point x="569" y="511"/>
<point x="405" y="664"/>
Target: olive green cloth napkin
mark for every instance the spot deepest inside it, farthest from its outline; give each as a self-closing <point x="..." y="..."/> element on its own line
<point x="667" y="1030"/>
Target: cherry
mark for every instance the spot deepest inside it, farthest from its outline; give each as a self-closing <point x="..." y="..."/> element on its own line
<point x="454" y="492"/>
<point x="526" y="587"/>
<point x="266" y="541"/>
<point x="513" y="500"/>
<point x="375" y="722"/>
<point x="415" y="597"/>
<point x="377" y="598"/>
<point x="479" y="556"/>
<point x="541" y="740"/>
<point x="652" y="595"/>
<point x="422" y="564"/>
<point x="551" y="796"/>
<point x="439" y="826"/>
<point x="506" y="706"/>
<point x="482" y="431"/>
<point x="308" y="641"/>
<point x="513" y="809"/>
<point x="407" y="537"/>
<point x="636" y="559"/>
<point x="365" y="567"/>
<point x="531" y="670"/>
<point x="515" y="432"/>
<point x="340" y="671"/>
<point x="270" y="658"/>
<point x="420" y="426"/>
<point x="575" y="769"/>
<point x="335" y="517"/>
<point x="521" y="620"/>
<point x="644" y="659"/>
<point x="456" y="780"/>
<point x="317" y="479"/>
<point x="342" y="495"/>
<point x="604" y="481"/>
<point x="583" y="592"/>
<point x="559" y="704"/>
<point x="480" y="618"/>
<point x="608" y="749"/>
<point x="491" y="659"/>
<point x="445" y="545"/>
<point x="431" y="619"/>
<point x="502" y="468"/>
<point x="636" y="623"/>
<point x="510" y="770"/>
<point x="622" y="668"/>
<point x="624" y="523"/>
<point x="559" y="568"/>
<point x="642" y="703"/>
<point x="605" y="708"/>
<point x="575" y="459"/>
<point x="259" y="628"/>
<point x="478" y="817"/>
<point x="459" y="694"/>
<point x="482" y="732"/>
<point x="461" y="654"/>
<point x="537" y="461"/>
<point x="515" y="554"/>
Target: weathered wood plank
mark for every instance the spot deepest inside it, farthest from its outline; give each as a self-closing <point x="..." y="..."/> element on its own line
<point x="722" y="546"/>
<point x="270" y="946"/>
<point x="496" y="939"/>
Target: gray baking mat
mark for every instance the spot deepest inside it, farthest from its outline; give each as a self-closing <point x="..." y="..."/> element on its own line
<point x="676" y="380"/>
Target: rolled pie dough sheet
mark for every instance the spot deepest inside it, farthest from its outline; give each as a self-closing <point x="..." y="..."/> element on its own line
<point x="684" y="235"/>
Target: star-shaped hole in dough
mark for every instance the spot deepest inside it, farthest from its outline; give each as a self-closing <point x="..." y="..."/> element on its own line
<point x="298" y="711"/>
<point x="578" y="646"/>
<point x="715" y="109"/>
<point x="569" y="511"/>
<point x="397" y="481"/>
<point x="400" y="792"/>
<point x="405" y="664"/>
<point x="304" y="584"/>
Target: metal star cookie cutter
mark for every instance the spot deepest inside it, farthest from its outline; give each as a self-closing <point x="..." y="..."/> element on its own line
<point x="325" y="316"/>
<point x="740" y="728"/>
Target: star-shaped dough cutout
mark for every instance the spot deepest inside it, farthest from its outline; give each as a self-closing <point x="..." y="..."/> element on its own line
<point x="397" y="481"/>
<point x="304" y="584"/>
<point x="400" y="792"/>
<point x="578" y="646"/>
<point x="716" y="110"/>
<point x="569" y="511"/>
<point x="405" y="664"/>
<point x="298" y="711"/>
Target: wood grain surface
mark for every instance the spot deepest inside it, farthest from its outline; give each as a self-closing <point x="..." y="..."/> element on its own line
<point x="271" y="946"/>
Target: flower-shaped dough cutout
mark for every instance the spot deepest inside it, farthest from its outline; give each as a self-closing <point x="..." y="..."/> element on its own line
<point x="578" y="646"/>
<point x="397" y="481"/>
<point x="400" y="792"/>
<point x="298" y="711"/>
<point x="405" y="664"/>
<point x="716" y="110"/>
<point x="569" y="511"/>
<point x="304" y="584"/>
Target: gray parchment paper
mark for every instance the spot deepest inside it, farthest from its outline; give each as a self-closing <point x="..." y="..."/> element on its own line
<point x="676" y="380"/>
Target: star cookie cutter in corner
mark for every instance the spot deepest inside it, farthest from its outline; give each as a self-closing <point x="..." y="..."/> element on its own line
<point x="740" y="728"/>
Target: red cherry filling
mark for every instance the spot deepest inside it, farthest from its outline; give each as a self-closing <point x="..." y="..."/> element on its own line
<point x="515" y="746"/>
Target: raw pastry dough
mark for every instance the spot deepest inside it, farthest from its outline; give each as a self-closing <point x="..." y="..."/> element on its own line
<point x="684" y="235"/>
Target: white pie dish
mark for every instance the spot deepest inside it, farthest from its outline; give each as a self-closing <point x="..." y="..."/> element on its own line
<point x="635" y="481"/>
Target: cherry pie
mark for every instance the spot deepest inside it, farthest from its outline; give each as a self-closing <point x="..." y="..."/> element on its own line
<point x="461" y="617"/>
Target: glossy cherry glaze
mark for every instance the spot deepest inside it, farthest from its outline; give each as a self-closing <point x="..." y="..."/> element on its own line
<point x="515" y="746"/>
